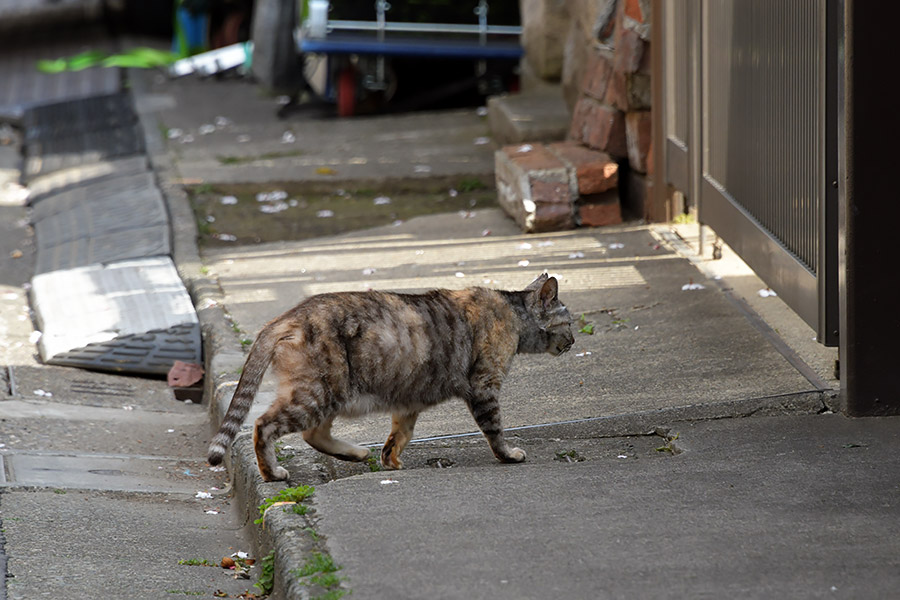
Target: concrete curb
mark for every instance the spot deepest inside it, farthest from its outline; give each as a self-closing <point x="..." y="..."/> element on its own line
<point x="223" y="360"/>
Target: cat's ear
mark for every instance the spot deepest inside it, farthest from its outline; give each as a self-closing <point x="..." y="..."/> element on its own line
<point x="549" y="292"/>
<point x="537" y="283"/>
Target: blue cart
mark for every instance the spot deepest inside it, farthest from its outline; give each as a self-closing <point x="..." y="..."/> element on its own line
<point x="350" y="61"/>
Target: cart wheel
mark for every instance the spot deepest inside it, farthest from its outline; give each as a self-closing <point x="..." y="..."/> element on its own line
<point x="346" y="92"/>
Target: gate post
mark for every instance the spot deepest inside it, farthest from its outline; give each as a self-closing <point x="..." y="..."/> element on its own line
<point x="869" y="214"/>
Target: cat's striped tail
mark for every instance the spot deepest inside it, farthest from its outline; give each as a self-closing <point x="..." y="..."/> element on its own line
<point x="251" y="376"/>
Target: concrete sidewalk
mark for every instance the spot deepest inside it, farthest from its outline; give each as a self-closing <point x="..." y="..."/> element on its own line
<point x="672" y="491"/>
<point x="780" y="507"/>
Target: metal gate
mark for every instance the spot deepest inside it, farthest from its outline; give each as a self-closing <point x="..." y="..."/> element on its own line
<point x="750" y="136"/>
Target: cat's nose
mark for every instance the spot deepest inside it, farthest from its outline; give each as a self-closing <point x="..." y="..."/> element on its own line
<point x="564" y="345"/>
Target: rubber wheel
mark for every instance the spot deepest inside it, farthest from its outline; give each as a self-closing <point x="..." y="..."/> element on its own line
<point x="346" y="93"/>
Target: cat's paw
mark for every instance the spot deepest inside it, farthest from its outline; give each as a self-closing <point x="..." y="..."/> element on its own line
<point x="515" y="455"/>
<point x="278" y="474"/>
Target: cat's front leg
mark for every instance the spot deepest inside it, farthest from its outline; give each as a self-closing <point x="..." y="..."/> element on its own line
<point x="485" y="408"/>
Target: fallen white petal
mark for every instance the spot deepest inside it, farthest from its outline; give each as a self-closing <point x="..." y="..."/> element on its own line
<point x="481" y="111"/>
<point x="212" y="512"/>
<point x="174" y="133"/>
<point x="35" y="337"/>
<point x="481" y="141"/>
<point x="766" y="293"/>
<point x="324" y="214"/>
<point x="381" y="200"/>
<point x="587" y="353"/>
<point x="616" y="245"/>
<point x="421" y="169"/>
<point x="203" y="495"/>
<point x="388" y="481"/>
<point x="368" y="271"/>
<point x="525" y="148"/>
<point x="229" y="200"/>
<point x="623" y="456"/>
<point x="206" y="129"/>
<point x="692" y="286"/>
<point x="524" y="263"/>
<point x="460" y="274"/>
<point x="288" y="137"/>
<point x="577" y="255"/>
<point x="524" y="246"/>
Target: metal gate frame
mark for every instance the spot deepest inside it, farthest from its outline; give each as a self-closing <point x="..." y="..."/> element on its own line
<point x="760" y="223"/>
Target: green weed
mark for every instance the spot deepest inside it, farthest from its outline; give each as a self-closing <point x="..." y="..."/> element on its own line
<point x="196" y="562"/>
<point x="372" y="461"/>
<point x="319" y="570"/>
<point x="471" y="184"/>
<point x="266" y="574"/>
<point x="295" y="494"/>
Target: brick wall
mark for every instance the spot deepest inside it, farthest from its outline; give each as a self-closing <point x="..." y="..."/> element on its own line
<point x="606" y="163"/>
<point x="612" y="107"/>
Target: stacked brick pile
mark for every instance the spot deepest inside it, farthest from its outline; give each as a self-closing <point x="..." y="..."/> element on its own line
<point x="549" y="187"/>
<point x="557" y="186"/>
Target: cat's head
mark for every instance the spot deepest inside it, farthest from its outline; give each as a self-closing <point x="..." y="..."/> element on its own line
<point x="552" y="318"/>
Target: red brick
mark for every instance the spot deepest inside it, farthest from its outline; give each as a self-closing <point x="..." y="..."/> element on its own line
<point x="629" y="51"/>
<point x="550" y="192"/>
<point x="595" y="171"/>
<point x="606" y="131"/>
<point x="638" y="134"/>
<point x="598" y="214"/>
<point x="596" y="74"/>
<point x="532" y="157"/>
<point x="552" y="217"/>
<point x="632" y="9"/>
<point x="582" y="116"/>
<point x="533" y="188"/>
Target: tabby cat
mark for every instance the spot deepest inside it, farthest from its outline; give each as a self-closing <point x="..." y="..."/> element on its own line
<point x="351" y="353"/>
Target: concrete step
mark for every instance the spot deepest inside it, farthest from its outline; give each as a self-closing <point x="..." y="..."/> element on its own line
<point x="535" y="115"/>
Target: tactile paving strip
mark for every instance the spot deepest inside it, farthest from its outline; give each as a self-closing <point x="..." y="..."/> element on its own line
<point x="66" y="119"/>
<point x="81" y="175"/>
<point x="106" y="248"/>
<point x="113" y="219"/>
<point x="54" y="154"/>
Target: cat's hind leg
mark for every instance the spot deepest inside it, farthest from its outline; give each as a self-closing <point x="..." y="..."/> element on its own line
<point x="320" y="438"/>
<point x="283" y="417"/>
<point x="267" y="429"/>
<point x="401" y="432"/>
